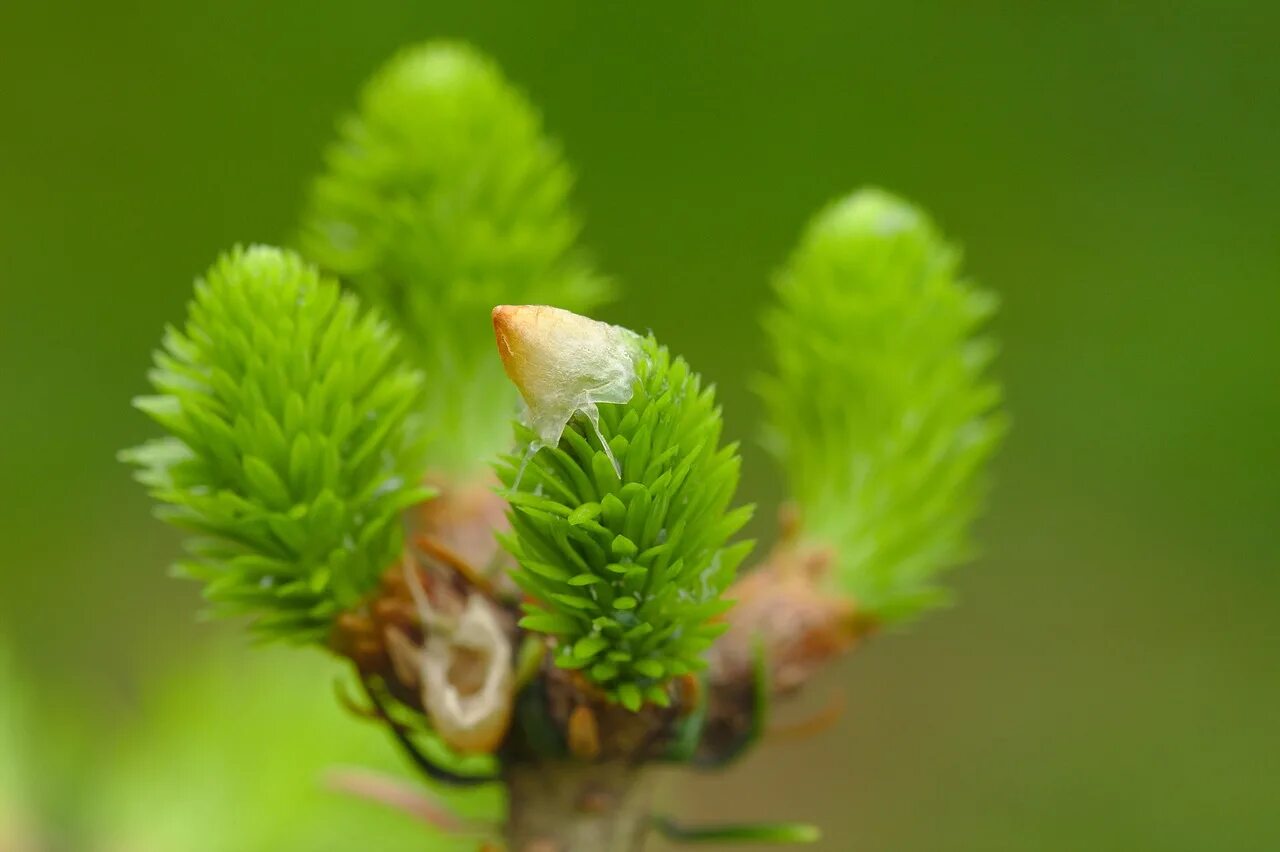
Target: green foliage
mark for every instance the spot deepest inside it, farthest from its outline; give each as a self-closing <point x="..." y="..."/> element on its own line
<point x="879" y="406"/>
<point x="442" y="198"/>
<point x="289" y="452"/>
<point x="627" y="571"/>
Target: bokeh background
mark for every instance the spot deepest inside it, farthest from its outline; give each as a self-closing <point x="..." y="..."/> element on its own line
<point x="1111" y="677"/>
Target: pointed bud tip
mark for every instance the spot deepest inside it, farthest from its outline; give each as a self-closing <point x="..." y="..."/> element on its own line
<point x="562" y="362"/>
<point x="502" y="315"/>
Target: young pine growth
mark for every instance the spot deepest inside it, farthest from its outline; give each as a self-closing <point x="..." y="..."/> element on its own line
<point x="620" y="526"/>
<point x="443" y="197"/>
<point x="298" y="436"/>
<point x="880" y="409"/>
<point x="290" y="454"/>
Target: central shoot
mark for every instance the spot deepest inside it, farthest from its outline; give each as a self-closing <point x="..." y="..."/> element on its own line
<point x="620" y="492"/>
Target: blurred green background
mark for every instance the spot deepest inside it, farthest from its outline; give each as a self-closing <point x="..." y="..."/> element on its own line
<point x="1111" y="678"/>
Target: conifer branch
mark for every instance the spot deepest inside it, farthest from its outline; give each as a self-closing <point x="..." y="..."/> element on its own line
<point x="881" y="411"/>
<point x="614" y="631"/>
<point x="290" y="452"/>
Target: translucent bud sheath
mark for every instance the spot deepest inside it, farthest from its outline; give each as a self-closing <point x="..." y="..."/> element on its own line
<point x="623" y="564"/>
<point x="563" y="363"/>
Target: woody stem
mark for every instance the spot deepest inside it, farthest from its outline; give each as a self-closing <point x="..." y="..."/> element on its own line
<point x="577" y="807"/>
